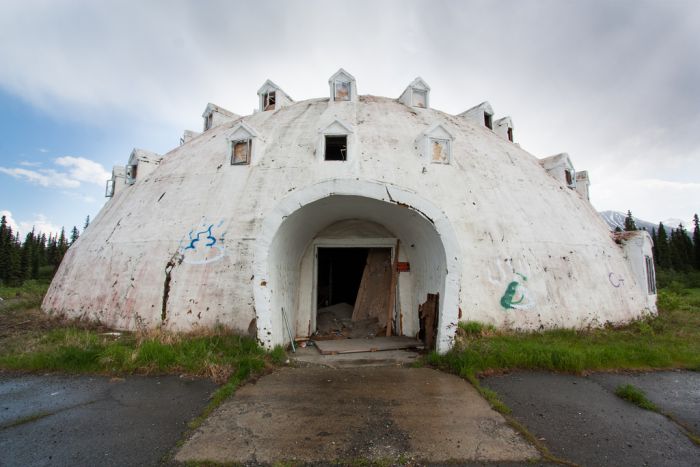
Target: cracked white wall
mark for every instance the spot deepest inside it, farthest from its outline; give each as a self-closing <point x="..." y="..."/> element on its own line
<point x="521" y="250"/>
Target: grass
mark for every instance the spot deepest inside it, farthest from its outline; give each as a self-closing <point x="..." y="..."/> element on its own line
<point x="635" y="396"/>
<point x="29" y="295"/>
<point x="669" y="340"/>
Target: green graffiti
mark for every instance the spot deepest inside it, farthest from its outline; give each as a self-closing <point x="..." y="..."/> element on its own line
<point x="507" y="300"/>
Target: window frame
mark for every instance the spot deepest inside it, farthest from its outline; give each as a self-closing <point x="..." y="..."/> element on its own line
<point x="488" y="120"/>
<point x="651" y="275"/>
<point x="325" y="147"/>
<point x="109" y="188"/>
<point x="339" y="82"/>
<point x="419" y="91"/>
<point x="269" y="100"/>
<point x="232" y="149"/>
<point x="130" y="173"/>
<point x="448" y="149"/>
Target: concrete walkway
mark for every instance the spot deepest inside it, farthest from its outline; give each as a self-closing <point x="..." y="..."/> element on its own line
<point x="580" y="419"/>
<point x="48" y="420"/>
<point x="322" y="415"/>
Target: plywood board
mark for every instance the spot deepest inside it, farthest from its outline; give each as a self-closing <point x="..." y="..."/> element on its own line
<point x="367" y="345"/>
<point x="375" y="287"/>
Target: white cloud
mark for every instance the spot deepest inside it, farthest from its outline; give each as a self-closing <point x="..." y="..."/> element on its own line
<point x="47" y="178"/>
<point x="30" y="164"/>
<point x="78" y="170"/>
<point x="84" y="170"/>
<point x="40" y="223"/>
<point x="43" y="150"/>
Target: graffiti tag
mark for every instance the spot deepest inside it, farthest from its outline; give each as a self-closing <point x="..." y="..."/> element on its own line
<point x="516" y="296"/>
<point x="615" y="280"/>
<point x="202" y="246"/>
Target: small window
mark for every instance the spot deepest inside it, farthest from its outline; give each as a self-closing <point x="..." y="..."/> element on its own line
<point x="420" y="98"/>
<point x="440" y="150"/>
<point x="510" y="135"/>
<point x="569" y="178"/>
<point x="342" y="91"/>
<point x="651" y="275"/>
<point x="488" y="121"/>
<point x="269" y="101"/>
<point x="336" y="148"/>
<point x="109" y="189"/>
<point x="240" y="152"/>
<point x="209" y="121"/>
<point x="131" y="174"/>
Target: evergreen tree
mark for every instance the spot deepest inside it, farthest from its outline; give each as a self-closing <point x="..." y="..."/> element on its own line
<point x="696" y="242"/>
<point x="87" y="222"/>
<point x="629" y="222"/>
<point x="662" y="254"/>
<point x="654" y="241"/>
<point x="618" y="229"/>
<point x="681" y="249"/>
<point x="74" y="234"/>
<point x="5" y="246"/>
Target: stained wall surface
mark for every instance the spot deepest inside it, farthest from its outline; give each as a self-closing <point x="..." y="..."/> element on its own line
<point x="199" y="241"/>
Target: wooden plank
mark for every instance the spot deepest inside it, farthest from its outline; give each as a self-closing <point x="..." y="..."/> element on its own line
<point x="377" y="344"/>
<point x="373" y="294"/>
<point x="392" y="291"/>
<point x="428" y="320"/>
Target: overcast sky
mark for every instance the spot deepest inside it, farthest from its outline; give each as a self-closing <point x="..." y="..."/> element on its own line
<point x="616" y="84"/>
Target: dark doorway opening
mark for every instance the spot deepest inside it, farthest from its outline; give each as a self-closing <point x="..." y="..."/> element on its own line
<point x="339" y="275"/>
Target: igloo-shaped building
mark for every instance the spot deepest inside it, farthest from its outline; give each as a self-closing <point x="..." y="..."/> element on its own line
<point x="245" y="223"/>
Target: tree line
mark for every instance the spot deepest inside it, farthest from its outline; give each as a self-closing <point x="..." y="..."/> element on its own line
<point x="677" y="251"/>
<point x="38" y="256"/>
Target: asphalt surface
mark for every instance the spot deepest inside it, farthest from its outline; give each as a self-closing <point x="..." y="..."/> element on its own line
<point x="581" y="420"/>
<point x="82" y="420"/>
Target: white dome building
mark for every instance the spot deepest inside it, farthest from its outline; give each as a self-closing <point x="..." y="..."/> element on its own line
<point x="244" y="225"/>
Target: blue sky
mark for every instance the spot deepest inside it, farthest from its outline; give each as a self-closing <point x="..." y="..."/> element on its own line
<point x="614" y="84"/>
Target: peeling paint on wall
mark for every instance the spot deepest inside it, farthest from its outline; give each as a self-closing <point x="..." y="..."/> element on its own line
<point x="202" y="246"/>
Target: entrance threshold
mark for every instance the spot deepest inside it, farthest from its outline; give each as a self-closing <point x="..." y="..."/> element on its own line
<point x="376" y="344"/>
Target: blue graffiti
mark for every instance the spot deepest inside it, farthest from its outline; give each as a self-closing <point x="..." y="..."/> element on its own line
<point x="194" y="240"/>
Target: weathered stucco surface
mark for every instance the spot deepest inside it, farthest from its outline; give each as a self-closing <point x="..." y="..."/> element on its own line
<point x="199" y="241"/>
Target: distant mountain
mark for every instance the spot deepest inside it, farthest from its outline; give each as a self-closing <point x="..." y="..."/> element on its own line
<point x="617" y="219"/>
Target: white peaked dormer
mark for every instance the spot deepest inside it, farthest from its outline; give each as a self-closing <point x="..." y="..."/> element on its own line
<point x="115" y="183"/>
<point x="560" y="168"/>
<point x="583" y="183"/>
<point x="481" y="114"/>
<point x="343" y="86"/>
<point x="335" y="142"/>
<point x="214" y="116"/>
<point x="504" y="127"/>
<point x="417" y="94"/>
<point x="141" y="163"/>
<point x="272" y="97"/>
<point x="436" y="144"/>
<point x="187" y="136"/>
<point x="240" y="140"/>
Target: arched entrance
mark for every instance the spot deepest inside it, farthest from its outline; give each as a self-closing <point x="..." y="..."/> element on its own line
<point x="282" y="285"/>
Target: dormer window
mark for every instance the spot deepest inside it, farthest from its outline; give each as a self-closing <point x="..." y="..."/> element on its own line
<point x="342" y="91"/>
<point x="436" y="145"/>
<point x="272" y="97"/>
<point x="416" y="94"/>
<point x="510" y="135"/>
<point x="241" y="144"/>
<point x="214" y="115"/>
<point x="209" y="121"/>
<point x="336" y="148"/>
<point x="561" y="168"/>
<point x="335" y="142"/>
<point x="342" y="86"/>
<point x="269" y="101"/>
<point x="240" y="152"/>
<point x="488" y="123"/>
<point x="504" y="128"/>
